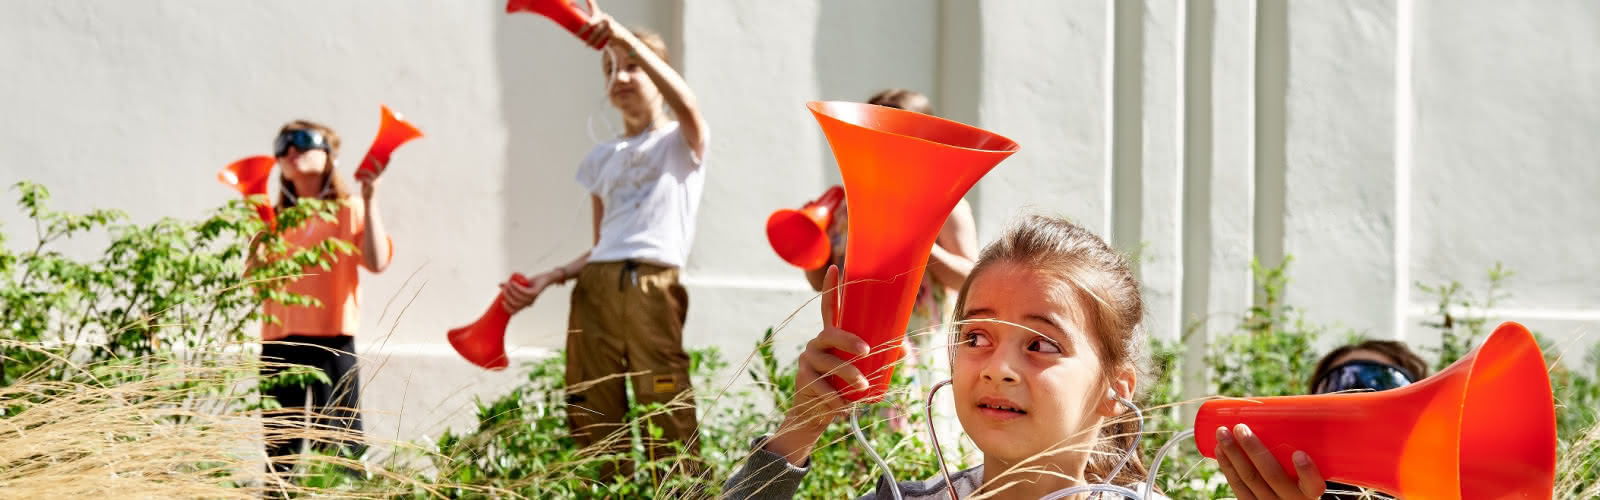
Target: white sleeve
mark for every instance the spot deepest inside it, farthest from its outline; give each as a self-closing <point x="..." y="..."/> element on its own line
<point x="589" y="174"/>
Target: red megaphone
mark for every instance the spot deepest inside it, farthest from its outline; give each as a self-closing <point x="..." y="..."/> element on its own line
<point x="801" y="236"/>
<point x="249" y="176"/>
<point x="903" y="174"/>
<point x="484" y="341"/>
<point x="392" y="132"/>
<point x="563" y="12"/>
<point x="1484" y="428"/>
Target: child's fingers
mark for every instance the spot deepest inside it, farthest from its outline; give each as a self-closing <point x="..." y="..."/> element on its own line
<point x="824" y="364"/>
<point x="516" y="295"/>
<point x="1241" y="489"/>
<point x="834" y="338"/>
<point x="1266" y="464"/>
<point x="1311" y="483"/>
<point x="601" y="34"/>
<point x="1249" y="479"/>
<point x="830" y="295"/>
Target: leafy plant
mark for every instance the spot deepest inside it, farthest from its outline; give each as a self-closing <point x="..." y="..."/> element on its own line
<point x="169" y="286"/>
<point x="1270" y="352"/>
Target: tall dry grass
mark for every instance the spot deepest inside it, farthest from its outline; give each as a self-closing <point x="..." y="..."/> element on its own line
<point x="160" y="427"/>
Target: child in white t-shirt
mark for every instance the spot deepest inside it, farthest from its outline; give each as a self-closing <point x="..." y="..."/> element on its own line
<point x="628" y="307"/>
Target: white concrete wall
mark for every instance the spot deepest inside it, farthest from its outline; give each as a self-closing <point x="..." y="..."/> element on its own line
<point x="1504" y="163"/>
<point x="1378" y="142"/>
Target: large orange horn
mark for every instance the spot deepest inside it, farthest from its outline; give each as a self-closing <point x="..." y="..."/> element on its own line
<point x="1484" y="428"/>
<point x="903" y="174"/>
<point x="563" y="12"/>
<point x="392" y="132"/>
<point x="249" y="176"/>
<point x="484" y="341"/>
<point x="801" y="236"/>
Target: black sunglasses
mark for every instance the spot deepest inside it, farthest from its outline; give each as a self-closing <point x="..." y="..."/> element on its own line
<point x="301" y="139"/>
<point x="1363" y="374"/>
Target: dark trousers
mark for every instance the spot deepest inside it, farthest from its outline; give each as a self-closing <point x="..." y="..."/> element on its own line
<point x="332" y="407"/>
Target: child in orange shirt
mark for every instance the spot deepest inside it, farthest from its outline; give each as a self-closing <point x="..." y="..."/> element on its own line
<point x="322" y="336"/>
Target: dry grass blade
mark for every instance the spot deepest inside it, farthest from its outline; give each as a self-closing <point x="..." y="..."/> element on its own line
<point x="157" y="428"/>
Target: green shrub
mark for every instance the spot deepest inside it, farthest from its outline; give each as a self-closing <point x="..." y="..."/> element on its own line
<point x="165" y="287"/>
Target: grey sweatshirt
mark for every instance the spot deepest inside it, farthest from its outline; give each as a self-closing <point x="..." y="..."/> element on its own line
<point x="767" y="476"/>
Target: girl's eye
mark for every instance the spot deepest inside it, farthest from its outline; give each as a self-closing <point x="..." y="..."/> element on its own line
<point x="1044" y="345"/>
<point x="976" y="339"/>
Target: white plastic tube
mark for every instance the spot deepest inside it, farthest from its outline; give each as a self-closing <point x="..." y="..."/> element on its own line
<point x="855" y="427"/>
<point x="1093" y="488"/>
<point x="1150" y="480"/>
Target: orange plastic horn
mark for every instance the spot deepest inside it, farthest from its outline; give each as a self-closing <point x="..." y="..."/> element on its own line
<point x="903" y="174"/>
<point x="801" y="236"/>
<point x="249" y="176"/>
<point x="563" y="12"/>
<point x="1484" y="428"/>
<point x="484" y="341"/>
<point x="392" y="132"/>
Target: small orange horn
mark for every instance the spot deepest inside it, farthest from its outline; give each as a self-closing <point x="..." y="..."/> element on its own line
<point x="801" y="236"/>
<point x="249" y="176"/>
<point x="563" y="12"/>
<point x="392" y="132"/>
<point x="484" y="341"/>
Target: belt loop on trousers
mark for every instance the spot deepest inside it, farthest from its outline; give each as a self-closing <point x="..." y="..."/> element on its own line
<point x="630" y="273"/>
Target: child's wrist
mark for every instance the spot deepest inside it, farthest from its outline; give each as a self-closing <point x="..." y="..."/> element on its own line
<point x="805" y="424"/>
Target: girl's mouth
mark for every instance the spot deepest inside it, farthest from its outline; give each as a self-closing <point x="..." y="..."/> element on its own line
<point x="1003" y="408"/>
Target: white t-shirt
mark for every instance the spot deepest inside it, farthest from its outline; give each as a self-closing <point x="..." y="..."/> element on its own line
<point x="650" y="184"/>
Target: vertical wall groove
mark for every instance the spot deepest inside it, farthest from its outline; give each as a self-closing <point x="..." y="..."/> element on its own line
<point x="1272" y="84"/>
<point x="1199" y="25"/>
<point x="1127" y="125"/>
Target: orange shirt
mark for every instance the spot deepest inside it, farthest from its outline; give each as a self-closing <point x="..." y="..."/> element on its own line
<point x="338" y="288"/>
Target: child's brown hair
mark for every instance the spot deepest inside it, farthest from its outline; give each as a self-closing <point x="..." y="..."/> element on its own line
<point x="908" y="100"/>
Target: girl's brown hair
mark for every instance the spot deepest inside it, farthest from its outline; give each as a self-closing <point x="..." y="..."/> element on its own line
<point x="1105" y="283"/>
<point x="908" y="100"/>
<point x="651" y="40"/>
<point x="1397" y="351"/>
<point x="334" y="187"/>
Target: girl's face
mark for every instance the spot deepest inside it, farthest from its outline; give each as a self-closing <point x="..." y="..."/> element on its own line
<point x="631" y="89"/>
<point x="1033" y="383"/>
<point x="298" y="165"/>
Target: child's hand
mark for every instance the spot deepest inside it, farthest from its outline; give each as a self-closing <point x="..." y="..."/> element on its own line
<point x="256" y="253"/>
<point x="601" y="28"/>
<point x="515" y="297"/>
<point x="816" y="402"/>
<point x="1254" y="474"/>
<point x="369" y="176"/>
<point x="369" y="185"/>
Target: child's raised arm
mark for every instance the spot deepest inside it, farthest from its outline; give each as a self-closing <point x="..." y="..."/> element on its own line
<point x="603" y="30"/>
<point x="816" y="402"/>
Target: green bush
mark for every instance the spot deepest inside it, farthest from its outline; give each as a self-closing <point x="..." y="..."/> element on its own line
<point x="149" y="325"/>
<point x="165" y="287"/>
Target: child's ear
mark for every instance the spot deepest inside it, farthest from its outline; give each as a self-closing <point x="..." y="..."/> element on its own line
<point x="1122" y="388"/>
